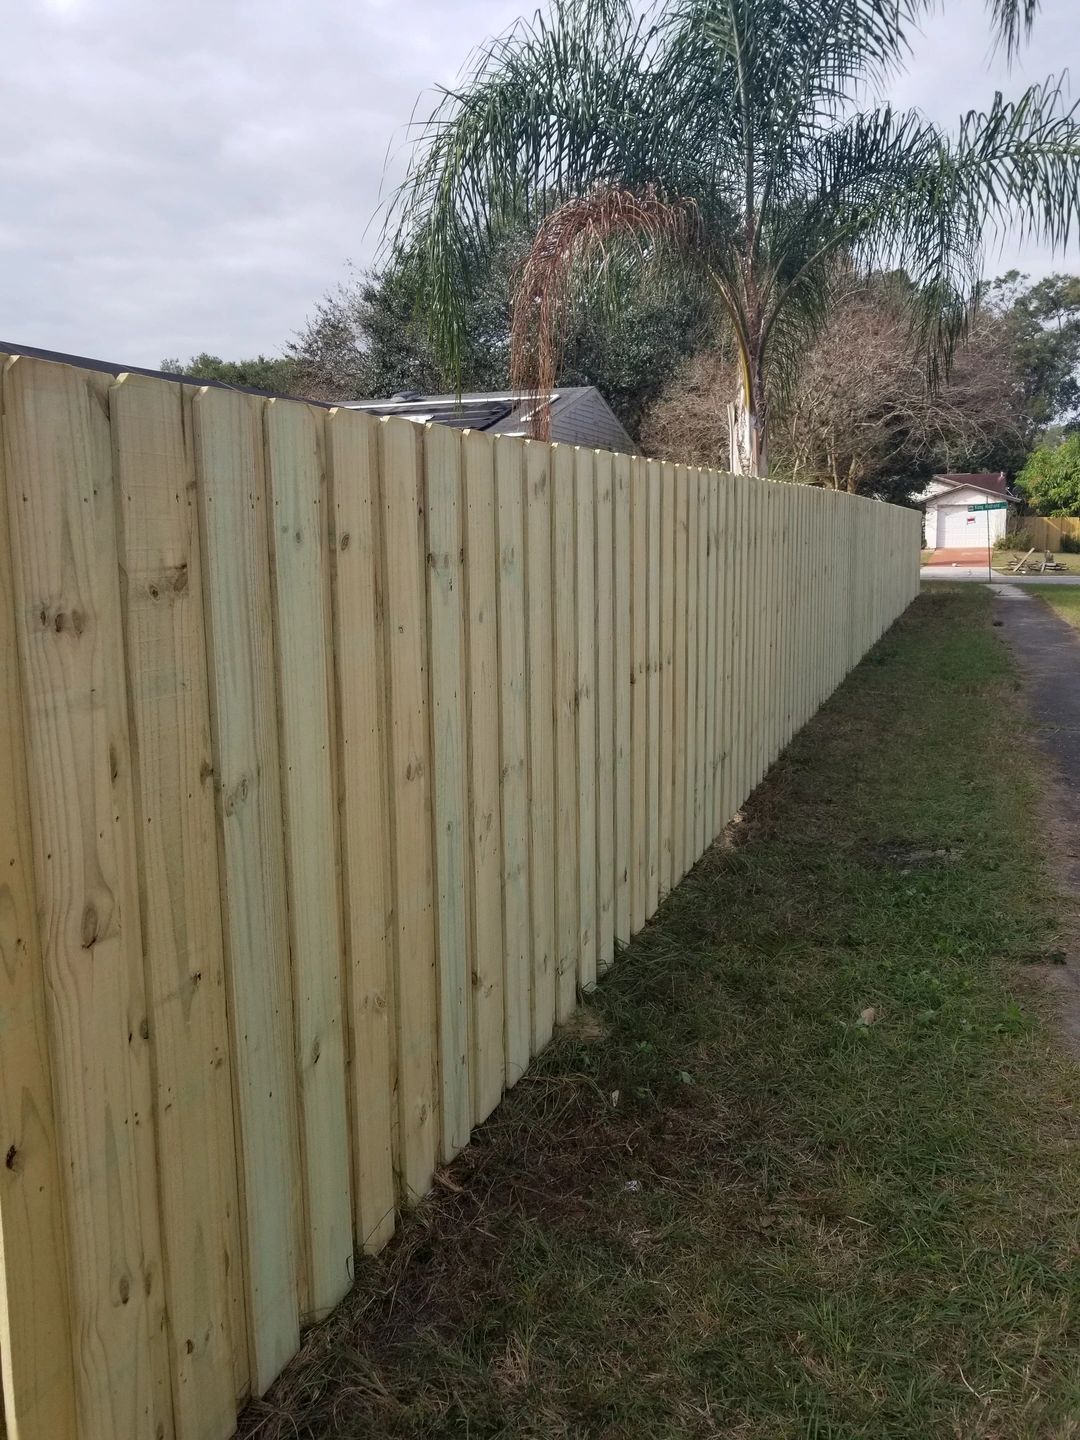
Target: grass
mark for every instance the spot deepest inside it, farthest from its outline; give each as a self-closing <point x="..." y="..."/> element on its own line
<point x="1065" y="599"/>
<point x="805" y="1165"/>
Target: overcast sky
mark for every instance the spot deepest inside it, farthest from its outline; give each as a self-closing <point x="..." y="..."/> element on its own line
<point x="178" y="177"/>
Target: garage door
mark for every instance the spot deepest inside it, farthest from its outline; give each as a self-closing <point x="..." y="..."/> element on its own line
<point x="958" y="528"/>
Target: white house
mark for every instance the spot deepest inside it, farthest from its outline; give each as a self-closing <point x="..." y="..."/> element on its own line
<point x="950" y="524"/>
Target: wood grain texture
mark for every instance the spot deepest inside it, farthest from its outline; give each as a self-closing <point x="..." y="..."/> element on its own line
<point x="352" y="463"/>
<point x="605" y="713"/>
<point x="514" y="741"/>
<point x="38" y="1381"/>
<point x="563" y="578"/>
<point x="300" y="566"/>
<point x="679" y="678"/>
<point x="409" y="788"/>
<point x="667" y="675"/>
<point x="539" y="647"/>
<point x="622" y="588"/>
<point x="693" y="550"/>
<point x="172" y="765"/>
<point x="652" y="692"/>
<point x="61" y="510"/>
<point x="639" y="704"/>
<point x="449" y="777"/>
<point x="708" y="799"/>
<point x="585" y="533"/>
<point x="701" y="757"/>
<point x="231" y="488"/>
<point x="488" y="1041"/>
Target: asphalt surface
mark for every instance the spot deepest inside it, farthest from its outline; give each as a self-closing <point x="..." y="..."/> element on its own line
<point x="1047" y="652"/>
<point x="978" y="573"/>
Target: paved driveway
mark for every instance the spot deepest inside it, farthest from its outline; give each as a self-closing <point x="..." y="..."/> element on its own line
<point x="973" y="555"/>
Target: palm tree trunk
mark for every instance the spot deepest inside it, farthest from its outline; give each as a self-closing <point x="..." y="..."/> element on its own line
<point x="748" y="434"/>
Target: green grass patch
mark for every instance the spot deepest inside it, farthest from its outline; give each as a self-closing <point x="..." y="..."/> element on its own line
<point x="805" y="1165"/>
<point x="1064" y="599"/>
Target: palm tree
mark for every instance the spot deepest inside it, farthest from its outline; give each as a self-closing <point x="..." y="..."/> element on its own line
<point x="722" y="141"/>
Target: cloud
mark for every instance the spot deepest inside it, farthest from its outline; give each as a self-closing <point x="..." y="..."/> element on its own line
<point x="175" y="178"/>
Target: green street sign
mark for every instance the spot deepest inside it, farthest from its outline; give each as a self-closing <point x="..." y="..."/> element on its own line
<point x="997" y="505"/>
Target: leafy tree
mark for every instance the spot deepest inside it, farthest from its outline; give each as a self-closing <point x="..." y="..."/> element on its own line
<point x="1045" y="322"/>
<point x="370" y="338"/>
<point x="861" y="415"/>
<point x="276" y="374"/>
<point x="719" y="139"/>
<point x="1050" y="481"/>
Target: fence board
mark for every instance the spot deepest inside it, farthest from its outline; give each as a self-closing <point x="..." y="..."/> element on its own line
<point x="667" y="675"/>
<point x="352" y="454"/>
<point x="37" y="1381"/>
<point x="409" y="788"/>
<point x="622" y="580"/>
<point x="446" y="629"/>
<point x="652" y="677"/>
<point x="679" y="674"/>
<point x="236" y="582"/>
<point x="485" y="802"/>
<point x="509" y="482"/>
<point x="604" y="622"/>
<point x="564" y="566"/>
<point x="585" y="522"/>
<point x="300" y="581"/>
<point x="540" y="642"/>
<point x="701" y="759"/>
<point x="58" y="471"/>
<point x="159" y="556"/>
<point x="639" y="711"/>
<point x="693" y="486"/>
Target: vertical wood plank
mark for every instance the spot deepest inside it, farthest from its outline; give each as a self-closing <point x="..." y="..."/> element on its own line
<point x="485" y="800"/>
<point x="701" y="757"/>
<point x="622" y="591"/>
<point x="539" y="640"/>
<point x="60" y="503"/>
<point x="690" y="804"/>
<point x="352" y="455"/>
<point x="708" y="622"/>
<point x="585" y="521"/>
<point x="513" y="708"/>
<point x="38" y="1382"/>
<point x="236" y="595"/>
<point x="652" y="677"/>
<point x="300" y="576"/>
<point x="667" y="677"/>
<point x="446" y="628"/>
<point x="564" y="566"/>
<point x="605" y="714"/>
<point x="639" y="711"/>
<point x="160" y="565"/>
<point x="409" y="788"/>
<point x="679" y="676"/>
<point x="725" y="555"/>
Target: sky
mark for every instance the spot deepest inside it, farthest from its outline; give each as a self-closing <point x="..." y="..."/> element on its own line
<point x="193" y="176"/>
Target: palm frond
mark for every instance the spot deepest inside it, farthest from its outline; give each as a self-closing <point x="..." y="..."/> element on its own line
<point x="607" y="233"/>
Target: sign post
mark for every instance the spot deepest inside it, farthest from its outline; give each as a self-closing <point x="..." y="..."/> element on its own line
<point x="975" y="509"/>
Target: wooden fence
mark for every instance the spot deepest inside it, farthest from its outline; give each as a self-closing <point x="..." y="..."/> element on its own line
<point x="1046" y="531"/>
<point x="337" y="757"/>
